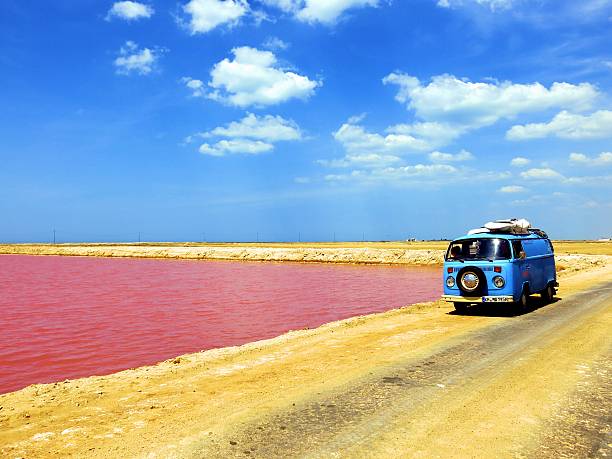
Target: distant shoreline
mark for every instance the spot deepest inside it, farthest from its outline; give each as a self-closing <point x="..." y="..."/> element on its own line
<point x="428" y="253"/>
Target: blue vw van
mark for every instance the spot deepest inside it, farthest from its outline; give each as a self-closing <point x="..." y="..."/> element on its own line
<point x="498" y="267"/>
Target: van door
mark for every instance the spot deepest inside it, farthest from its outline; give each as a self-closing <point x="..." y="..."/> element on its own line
<point x="537" y="259"/>
<point x="521" y="268"/>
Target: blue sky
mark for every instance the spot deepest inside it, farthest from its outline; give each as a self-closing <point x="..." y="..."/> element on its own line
<point x="225" y="120"/>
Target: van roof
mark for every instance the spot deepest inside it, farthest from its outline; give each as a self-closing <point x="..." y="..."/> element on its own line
<point x="507" y="236"/>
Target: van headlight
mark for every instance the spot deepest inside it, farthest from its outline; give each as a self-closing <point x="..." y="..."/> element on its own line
<point x="450" y="281"/>
<point x="499" y="281"/>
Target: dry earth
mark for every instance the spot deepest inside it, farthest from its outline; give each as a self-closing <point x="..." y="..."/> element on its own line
<point x="419" y="381"/>
<point x="570" y="255"/>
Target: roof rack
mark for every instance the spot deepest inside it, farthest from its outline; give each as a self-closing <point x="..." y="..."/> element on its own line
<point x="539" y="232"/>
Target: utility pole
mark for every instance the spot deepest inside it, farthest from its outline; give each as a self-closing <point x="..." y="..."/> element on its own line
<point x="257" y="236"/>
<point x="363" y="237"/>
<point x="53" y="236"/>
<point x="334" y="236"/>
<point x="139" y="237"/>
<point x="299" y="237"/>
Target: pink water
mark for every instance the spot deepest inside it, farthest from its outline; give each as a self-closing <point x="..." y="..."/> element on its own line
<point x="68" y="317"/>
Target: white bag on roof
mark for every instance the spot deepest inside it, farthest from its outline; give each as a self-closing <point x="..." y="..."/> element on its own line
<point x="515" y="226"/>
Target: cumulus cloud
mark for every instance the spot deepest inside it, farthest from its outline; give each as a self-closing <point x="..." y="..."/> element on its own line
<point x="196" y="87"/>
<point x="601" y="160"/>
<point x="275" y="44"/>
<point x="434" y="133"/>
<point x="130" y="11"/>
<point x="519" y="161"/>
<point x="401" y="173"/>
<point x="133" y="59"/>
<point x="253" y="77"/>
<point x="439" y="157"/>
<point x="373" y="151"/>
<point x="422" y="175"/>
<point x="319" y="11"/>
<point x="512" y="189"/>
<point x="542" y="174"/>
<point x="244" y="146"/>
<point x="251" y="135"/>
<point x="205" y="15"/>
<point x="328" y="11"/>
<point x="493" y="5"/>
<point x="567" y="125"/>
<point x="473" y="105"/>
<point x="288" y="6"/>
<point x="269" y="128"/>
<point x="368" y="160"/>
<point x="355" y="139"/>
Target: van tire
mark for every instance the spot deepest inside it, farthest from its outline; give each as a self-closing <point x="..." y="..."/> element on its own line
<point x="548" y="293"/>
<point x="522" y="304"/>
<point x="460" y="307"/>
<point x="482" y="281"/>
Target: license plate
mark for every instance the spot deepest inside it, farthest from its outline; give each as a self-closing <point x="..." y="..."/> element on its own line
<point x="492" y="299"/>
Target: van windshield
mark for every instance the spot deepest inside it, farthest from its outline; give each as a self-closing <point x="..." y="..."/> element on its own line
<point x="479" y="249"/>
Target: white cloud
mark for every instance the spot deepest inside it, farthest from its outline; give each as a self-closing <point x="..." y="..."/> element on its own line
<point x="133" y="59"/>
<point x="567" y="125"/>
<point x="268" y="128"/>
<point x="418" y="172"/>
<point x="253" y="78"/>
<point x="512" y="189"/>
<point x="275" y="44"/>
<point x="439" y="157"/>
<point x="355" y="139"/>
<point x="542" y="174"/>
<point x="235" y="146"/>
<point x="288" y="6"/>
<point x="251" y="135"/>
<point x="471" y="105"/>
<point x="130" y="11"/>
<point x="328" y="11"/>
<point x="196" y="86"/>
<point x="205" y="15"/>
<point x="436" y="134"/>
<point x="321" y="11"/>
<point x="422" y="175"/>
<point x="601" y="160"/>
<point x="375" y="151"/>
<point x="368" y="160"/>
<point x="519" y="161"/>
<point x="493" y="5"/>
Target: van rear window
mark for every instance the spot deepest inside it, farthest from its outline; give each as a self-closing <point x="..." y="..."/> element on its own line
<point x="479" y="249"/>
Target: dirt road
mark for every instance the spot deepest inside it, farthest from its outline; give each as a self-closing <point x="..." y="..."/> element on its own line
<point x="420" y="381"/>
<point x="537" y="385"/>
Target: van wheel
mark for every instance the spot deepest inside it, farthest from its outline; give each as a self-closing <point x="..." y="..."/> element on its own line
<point x="548" y="294"/>
<point x="523" y="303"/>
<point x="460" y="307"/>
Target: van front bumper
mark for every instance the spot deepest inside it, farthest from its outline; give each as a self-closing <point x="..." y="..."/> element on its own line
<point x="478" y="299"/>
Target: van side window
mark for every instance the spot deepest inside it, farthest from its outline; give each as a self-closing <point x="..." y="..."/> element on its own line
<point x="517" y="248"/>
<point x="552" y="249"/>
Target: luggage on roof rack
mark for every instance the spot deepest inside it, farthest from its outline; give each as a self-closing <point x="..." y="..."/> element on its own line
<point x="510" y="226"/>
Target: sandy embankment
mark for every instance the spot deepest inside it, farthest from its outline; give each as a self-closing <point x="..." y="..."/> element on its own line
<point x="240" y="253"/>
<point x="167" y="407"/>
<point x="370" y="253"/>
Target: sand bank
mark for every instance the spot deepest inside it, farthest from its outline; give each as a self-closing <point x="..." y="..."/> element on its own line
<point x="374" y="253"/>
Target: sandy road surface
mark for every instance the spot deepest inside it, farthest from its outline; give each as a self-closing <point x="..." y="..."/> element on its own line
<point x="506" y="390"/>
<point x="415" y="382"/>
